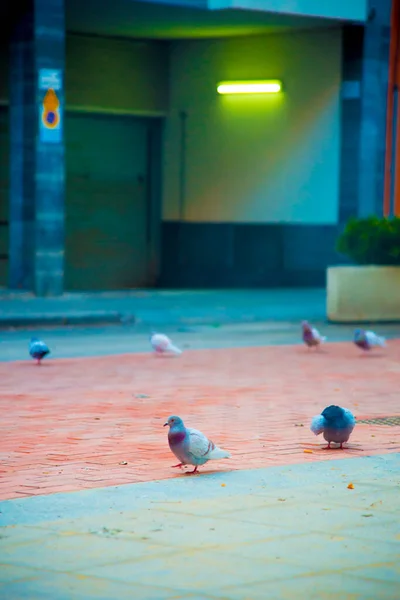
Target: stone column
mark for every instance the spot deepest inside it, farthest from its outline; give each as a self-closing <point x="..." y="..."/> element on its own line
<point x="374" y="89"/>
<point x="37" y="178"/>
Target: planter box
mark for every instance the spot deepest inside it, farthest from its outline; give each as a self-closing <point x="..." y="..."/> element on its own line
<point x="363" y="294"/>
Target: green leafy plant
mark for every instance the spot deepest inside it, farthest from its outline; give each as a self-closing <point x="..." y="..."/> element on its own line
<point x="371" y="241"/>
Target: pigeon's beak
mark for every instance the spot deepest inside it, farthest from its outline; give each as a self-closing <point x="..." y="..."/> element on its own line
<point x="165" y="424"/>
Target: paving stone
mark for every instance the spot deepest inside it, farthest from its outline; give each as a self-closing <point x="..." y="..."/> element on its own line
<point x="60" y="586"/>
<point x="203" y="572"/>
<point x="319" y="552"/>
<point x="71" y="553"/>
<point x="385" y="572"/>
<point x="328" y="586"/>
<point x="71" y="424"/>
<point x="273" y="522"/>
<point x="127" y="536"/>
<point x="9" y="573"/>
<point x="310" y="517"/>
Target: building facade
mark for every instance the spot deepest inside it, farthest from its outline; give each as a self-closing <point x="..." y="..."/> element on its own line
<point x="121" y="166"/>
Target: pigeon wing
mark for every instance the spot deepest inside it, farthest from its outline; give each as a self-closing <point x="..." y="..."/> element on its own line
<point x="39" y="346"/>
<point x="317" y="336"/>
<point x="160" y="341"/>
<point x="318" y="424"/>
<point x="199" y="445"/>
<point x="373" y="339"/>
<point x="350" y="418"/>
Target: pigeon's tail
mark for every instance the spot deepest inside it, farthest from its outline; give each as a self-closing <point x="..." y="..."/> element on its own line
<point x="174" y="349"/>
<point x="323" y="338"/>
<point x="318" y="424"/>
<point x="381" y="341"/>
<point x="218" y="453"/>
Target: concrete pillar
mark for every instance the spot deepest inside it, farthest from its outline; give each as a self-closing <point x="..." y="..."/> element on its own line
<point x="374" y="88"/>
<point x="37" y="178"/>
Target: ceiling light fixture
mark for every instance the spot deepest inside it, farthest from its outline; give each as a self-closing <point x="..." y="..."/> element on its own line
<point x="272" y="86"/>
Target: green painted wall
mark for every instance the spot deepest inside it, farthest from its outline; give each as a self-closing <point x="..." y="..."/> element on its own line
<point x="102" y="75"/>
<point x="118" y="75"/>
<point x="255" y="158"/>
<point x="106" y="74"/>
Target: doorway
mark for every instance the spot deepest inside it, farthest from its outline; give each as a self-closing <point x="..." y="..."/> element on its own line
<point x="110" y="218"/>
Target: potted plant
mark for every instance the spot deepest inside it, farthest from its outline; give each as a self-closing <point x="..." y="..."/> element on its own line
<point x="368" y="290"/>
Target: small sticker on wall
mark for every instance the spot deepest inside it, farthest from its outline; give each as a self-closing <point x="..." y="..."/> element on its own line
<point x="50" y="116"/>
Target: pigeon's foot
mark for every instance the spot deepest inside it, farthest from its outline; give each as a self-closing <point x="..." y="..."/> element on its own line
<point x="328" y="446"/>
<point x="38" y="361"/>
<point x="176" y="466"/>
<point x="192" y="472"/>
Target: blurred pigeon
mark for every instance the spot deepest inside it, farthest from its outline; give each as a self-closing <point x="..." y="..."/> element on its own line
<point x="38" y="349"/>
<point x="335" y="423"/>
<point x="190" y="446"/>
<point x="366" y="340"/>
<point x="161" y="343"/>
<point x="311" y="336"/>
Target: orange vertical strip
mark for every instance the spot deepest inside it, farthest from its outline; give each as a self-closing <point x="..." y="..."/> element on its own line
<point x="394" y="29"/>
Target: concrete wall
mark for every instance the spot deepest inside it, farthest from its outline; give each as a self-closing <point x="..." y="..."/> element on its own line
<point x="261" y="180"/>
<point x="255" y="159"/>
<point x="353" y="10"/>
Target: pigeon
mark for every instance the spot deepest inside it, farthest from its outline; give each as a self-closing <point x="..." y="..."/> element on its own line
<point x="161" y="344"/>
<point x="368" y="339"/>
<point x="191" y="447"/>
<point x="38" y="349"/>
<point x="311" y="336"/>
<point x="335" y="423"/>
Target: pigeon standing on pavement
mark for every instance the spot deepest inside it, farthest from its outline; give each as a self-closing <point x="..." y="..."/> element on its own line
<point x="335" y="423"/>
<point x="38" y="349"/>
<point x="161" y="344"/>
<point x="190" y="446"/>
<point x="366" y="340"/>
<point x="311" y="335"/>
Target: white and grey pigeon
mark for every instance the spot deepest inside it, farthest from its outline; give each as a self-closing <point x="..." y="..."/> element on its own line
<point x="190" y="446"/>
<point x="366" y="340"/>
<point x="162" y="344"/>
<point x="311" y="335"/>
<point x="38" y="349"/>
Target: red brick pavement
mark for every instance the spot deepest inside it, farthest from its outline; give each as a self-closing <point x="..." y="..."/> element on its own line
<point x="70" y="424"/>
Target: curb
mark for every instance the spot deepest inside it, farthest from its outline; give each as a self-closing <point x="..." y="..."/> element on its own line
<point x="89" y="318"/>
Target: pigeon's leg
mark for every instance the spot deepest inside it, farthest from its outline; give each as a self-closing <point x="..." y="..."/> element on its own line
<point x="176" y="466"/>
<point x="192" y="472"/>
<point x="341" y="445"/>
<point x="38" y="361"/>
<point x="328" y="446"/>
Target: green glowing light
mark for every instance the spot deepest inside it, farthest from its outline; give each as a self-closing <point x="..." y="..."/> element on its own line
<point x="272" y="86"/>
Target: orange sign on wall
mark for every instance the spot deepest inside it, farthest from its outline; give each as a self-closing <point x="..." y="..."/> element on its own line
<point x="50" y="130"/>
